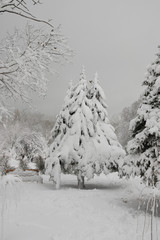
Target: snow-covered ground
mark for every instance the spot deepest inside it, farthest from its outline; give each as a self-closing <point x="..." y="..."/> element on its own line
<point x="106" y="210"/>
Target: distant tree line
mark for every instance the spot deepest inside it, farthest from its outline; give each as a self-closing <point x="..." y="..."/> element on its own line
<point x="122" y="120"/>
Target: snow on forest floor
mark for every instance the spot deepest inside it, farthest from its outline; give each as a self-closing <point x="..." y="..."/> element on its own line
<point x="106" y="210"/>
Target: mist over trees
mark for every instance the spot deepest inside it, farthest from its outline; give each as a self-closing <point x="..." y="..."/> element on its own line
<point x="122" y="120"/>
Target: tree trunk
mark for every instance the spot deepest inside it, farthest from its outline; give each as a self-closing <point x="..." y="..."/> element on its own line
<point x="80" y="179"/>
<point x="58" y="174"/>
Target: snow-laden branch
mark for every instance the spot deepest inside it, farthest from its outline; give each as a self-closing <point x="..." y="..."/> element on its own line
<point x="26" y="57"/>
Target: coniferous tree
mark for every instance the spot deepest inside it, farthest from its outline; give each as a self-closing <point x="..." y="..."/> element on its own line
<point x="62" y="119"/>
<point x="144" y="148"/>
<point x="74" y="128"/>
<point x="109" y="151"/>
<point x="88" y="145"/>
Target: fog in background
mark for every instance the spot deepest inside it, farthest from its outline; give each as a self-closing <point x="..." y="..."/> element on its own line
<point x="118" y="39"/>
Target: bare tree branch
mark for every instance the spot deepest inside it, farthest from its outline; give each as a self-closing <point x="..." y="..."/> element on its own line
<point x="21" y="8"/>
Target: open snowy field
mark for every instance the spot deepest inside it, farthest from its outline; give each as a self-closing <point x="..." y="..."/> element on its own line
<point x="106" y="210"/>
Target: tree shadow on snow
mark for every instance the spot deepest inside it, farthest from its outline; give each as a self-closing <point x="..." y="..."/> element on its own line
<point x="107" y="186"/>
<point x="68" y="183"/>
<point x="92" y="186"/>
<point x="88" y="186"/>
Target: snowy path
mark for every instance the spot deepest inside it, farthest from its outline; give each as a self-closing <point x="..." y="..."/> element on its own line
<point x="106" y="210"/>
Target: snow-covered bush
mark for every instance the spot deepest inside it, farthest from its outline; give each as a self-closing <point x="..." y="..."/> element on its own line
<point x="144" y="148"/>
<point x="23" y="133"/>
<point x="7" y="158"/>
<point x="31" y="147"/>
<point x="83" y="140"/>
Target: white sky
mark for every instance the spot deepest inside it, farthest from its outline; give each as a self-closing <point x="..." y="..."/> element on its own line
<point x="116" y="38"/>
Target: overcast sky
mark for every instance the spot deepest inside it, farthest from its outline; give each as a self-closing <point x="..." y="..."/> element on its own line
<point x="118" y="39"/>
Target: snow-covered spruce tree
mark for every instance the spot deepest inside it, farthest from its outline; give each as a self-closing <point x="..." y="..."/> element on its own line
<point x="80" y="144"/>
<point x="71" y="131"/>
<point x="61" y="124"/>
<point x="57" y="134"/>
<point x="144" y="148"/>
<point x="109" y="152"/>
